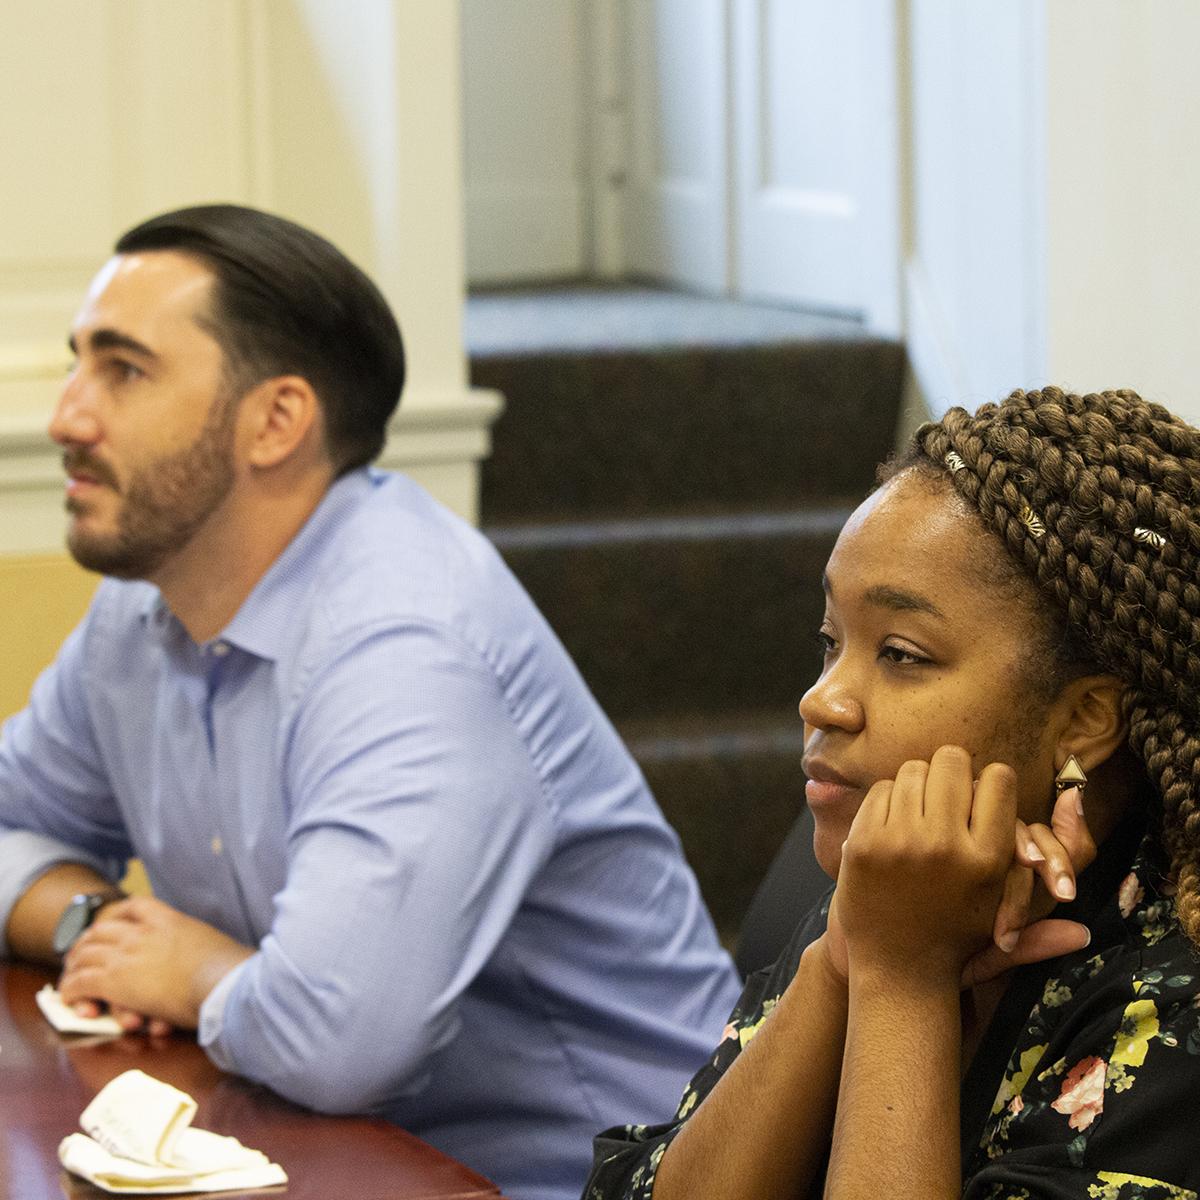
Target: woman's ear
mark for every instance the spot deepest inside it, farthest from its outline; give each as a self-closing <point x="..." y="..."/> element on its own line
<point x="1094" y="725"/>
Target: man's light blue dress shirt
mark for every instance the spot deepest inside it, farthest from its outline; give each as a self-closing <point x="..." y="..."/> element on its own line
<point x="387" y="775"/>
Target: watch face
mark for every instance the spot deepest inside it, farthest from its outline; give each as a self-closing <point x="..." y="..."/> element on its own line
<point x="75" y="919"/>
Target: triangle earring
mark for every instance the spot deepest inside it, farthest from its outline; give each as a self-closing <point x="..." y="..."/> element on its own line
<point x="1070" y="776"/>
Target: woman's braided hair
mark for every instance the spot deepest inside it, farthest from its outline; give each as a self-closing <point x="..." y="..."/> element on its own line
<point x="1096" y="498"/>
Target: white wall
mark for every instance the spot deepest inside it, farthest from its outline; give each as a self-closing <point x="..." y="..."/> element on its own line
<point x="1053" y="175"/>
<point x="523" y="94"/>
<point x="1123" y="153"/>
<point x="973" y="262"/>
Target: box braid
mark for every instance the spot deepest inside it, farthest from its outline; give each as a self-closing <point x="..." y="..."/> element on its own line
<point x="1095" y="498"/>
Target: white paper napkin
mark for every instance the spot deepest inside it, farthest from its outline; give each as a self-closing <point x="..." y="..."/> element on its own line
<point x="142" y="1143"/>
<point x="137" y="1116"/>
<point x="66" y="1020"/>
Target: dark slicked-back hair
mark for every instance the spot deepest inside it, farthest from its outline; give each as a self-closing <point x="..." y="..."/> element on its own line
<point x="287" y="302"/>
<point x="1097" y="500"/>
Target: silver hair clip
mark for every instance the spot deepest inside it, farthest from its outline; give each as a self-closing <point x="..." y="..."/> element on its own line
<point x="954" y="462"/>
<point x="1032" y="522"/>
<point x="1149" y="538"/>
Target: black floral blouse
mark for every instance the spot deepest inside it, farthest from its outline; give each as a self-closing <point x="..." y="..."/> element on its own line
<point x="1086" y="1085"/>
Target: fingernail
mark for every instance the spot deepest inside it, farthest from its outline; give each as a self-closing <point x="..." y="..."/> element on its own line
<point x="1008" y="941"/>
<point x="1033" y="853"/>
<point x="1064" y="888"/>
<point x="1079" y="801"/>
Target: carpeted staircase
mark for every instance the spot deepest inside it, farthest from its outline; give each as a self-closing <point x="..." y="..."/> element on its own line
<point x="667" y="480"/>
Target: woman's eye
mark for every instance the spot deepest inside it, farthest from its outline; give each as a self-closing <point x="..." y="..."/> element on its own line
<point x="825" y="642"/>
<point x="901" y="656"/>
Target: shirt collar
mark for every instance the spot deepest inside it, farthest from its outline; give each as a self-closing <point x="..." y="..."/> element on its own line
<point x="264" y="622"/>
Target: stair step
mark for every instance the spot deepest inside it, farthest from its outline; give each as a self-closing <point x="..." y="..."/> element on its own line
<point x="731" y="785"/>
<point x="625" y="432"/>
<point x="670" y="506"/>
<point x="700" y="613"/>
<point x="595" y="315"/>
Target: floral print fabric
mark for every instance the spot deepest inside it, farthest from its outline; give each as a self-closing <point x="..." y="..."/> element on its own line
<point x="1100" y="1098"/>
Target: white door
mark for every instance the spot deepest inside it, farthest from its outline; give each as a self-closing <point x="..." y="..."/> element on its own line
<point x="676" y="202"/>
<point x="815" y="164"/>
<point x="764" y="150"/>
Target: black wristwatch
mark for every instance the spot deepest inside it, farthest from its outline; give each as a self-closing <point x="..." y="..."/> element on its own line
<point x="77" y="916"/>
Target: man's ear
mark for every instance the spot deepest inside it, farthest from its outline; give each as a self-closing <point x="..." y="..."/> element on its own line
<point x="1094" y="725"/>
<point x="283" y="418"/>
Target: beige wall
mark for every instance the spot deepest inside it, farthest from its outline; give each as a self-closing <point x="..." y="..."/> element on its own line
<point x="43" y="598"/>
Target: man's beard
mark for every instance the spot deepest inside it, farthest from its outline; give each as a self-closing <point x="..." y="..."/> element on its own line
<point x="162" y="504"/>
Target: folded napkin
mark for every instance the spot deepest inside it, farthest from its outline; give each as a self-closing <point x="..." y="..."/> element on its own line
<point x="66" y="1020"/>
<point x="142" y="1143"/>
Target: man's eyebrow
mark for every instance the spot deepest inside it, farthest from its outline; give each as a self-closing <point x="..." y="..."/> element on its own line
<point x="111" y="339"/>
<point x="898" y="600"/>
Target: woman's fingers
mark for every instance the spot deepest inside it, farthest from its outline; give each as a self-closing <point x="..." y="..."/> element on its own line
<point x="994" y="813"/>
<point x="949" y="789"/>
<point x="906" y="799"/>
<point x="1038" y="942"/>
<point x="873" y="811"/>
<point x="1066" y="846"/>
<point x="1029" y="854"/>
<point x="1013" y="913"/>
<point x="1071" y="828"/>
<point x="1055" y="870"/>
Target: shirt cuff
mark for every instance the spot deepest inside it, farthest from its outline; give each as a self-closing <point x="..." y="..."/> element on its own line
<point x="25" y="857"/>
<point x="212" y="1015"/>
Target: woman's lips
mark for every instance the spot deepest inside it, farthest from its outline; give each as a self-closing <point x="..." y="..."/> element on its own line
<point x="826" y="787"/>
<point x="821" y="794"/>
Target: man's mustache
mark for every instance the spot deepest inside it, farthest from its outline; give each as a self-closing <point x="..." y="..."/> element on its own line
<point x="79" y="462"/>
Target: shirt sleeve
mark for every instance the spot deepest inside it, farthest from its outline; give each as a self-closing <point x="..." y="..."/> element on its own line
<point x="55" y="801"/>
<point x="625" y="1158"/>
<point x="418" y="821"/>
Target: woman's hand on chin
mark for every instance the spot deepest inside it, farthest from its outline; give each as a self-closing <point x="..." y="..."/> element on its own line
<point x="924" y="868"/>
<point x="1050" y="855"/>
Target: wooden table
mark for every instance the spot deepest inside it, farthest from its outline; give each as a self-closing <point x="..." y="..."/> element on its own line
<point x="47" y="1078"/>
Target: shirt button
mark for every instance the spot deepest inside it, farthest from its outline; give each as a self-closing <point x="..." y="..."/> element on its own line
<point x="220" y="649"/>
<point x="217" y="845"/>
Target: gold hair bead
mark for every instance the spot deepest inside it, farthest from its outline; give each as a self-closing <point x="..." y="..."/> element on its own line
<point x="1032" y="521"/>
<point x="1149" y="538"/>
<point x="954" y="462"/>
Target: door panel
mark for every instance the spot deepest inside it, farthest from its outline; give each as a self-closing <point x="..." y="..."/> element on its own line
<point x="677" y="206"/>
<point x="798" y="121"/>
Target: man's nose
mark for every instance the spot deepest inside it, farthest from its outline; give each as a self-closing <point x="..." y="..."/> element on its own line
<point x="74" y="420"/>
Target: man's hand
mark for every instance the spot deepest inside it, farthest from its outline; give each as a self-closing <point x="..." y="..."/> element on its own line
<point x="150" y="965"/>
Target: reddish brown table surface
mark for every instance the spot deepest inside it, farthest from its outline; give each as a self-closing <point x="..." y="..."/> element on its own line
<point x="47" y="1078"/>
